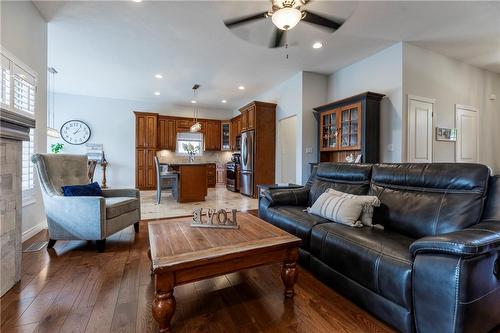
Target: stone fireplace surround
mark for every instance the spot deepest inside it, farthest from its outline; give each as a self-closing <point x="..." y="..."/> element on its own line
<point x="14" y="128"/>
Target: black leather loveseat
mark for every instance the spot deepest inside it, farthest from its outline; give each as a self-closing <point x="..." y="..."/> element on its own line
<point x="436" y="265"/>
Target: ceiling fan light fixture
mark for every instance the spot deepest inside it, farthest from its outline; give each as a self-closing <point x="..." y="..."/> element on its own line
<point x="286" y="18"/>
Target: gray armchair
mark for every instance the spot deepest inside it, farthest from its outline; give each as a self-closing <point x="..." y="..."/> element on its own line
<point x="82" y="218"/>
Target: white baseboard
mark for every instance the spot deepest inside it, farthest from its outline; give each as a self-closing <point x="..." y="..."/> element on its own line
<point x="33" y="231"/>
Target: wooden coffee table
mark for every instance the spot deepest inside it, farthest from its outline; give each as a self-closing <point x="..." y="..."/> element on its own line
<point x="181" y="254"/>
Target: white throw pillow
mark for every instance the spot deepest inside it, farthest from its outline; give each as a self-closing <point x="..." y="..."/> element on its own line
<point x="369" y="202"/>
<point x="338" y="209"/>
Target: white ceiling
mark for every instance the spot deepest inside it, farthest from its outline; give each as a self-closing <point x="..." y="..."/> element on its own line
<point x="113" y="49"/>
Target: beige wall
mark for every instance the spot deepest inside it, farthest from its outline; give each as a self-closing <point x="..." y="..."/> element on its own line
<point x="450" y="82"/>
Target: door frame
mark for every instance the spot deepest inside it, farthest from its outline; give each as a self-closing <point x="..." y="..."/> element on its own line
<point x="457" y="145"/>
<point x="425" y="100"/>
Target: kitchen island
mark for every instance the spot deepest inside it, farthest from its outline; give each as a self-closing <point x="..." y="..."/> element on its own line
<point x="192" y="181"/>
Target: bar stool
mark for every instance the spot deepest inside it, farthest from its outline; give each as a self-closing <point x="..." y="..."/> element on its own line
<point x="174" y="181"/>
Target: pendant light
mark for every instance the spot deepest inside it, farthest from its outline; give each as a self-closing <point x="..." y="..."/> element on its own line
<point x="196" y="127"/>
<point x="51" y="130"/>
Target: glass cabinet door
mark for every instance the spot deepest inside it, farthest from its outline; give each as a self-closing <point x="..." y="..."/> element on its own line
<point x="226" y="139"/>
<point x="349" y="127"/>
<point x="329" y="131"/>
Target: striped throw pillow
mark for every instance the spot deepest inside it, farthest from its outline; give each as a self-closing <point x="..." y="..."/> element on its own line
<point x="369" y="202"/>
<point x="338" y="209"/>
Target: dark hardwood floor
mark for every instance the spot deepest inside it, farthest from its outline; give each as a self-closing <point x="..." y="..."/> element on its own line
<point x="74" y="289"/>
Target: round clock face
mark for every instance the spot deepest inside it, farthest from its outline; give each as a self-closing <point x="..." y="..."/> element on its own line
<point x="75" y="132"/>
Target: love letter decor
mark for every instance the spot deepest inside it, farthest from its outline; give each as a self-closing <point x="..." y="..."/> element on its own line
<point x="216" y="219"/>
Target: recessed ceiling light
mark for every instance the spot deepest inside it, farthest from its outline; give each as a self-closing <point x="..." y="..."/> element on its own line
<point x="159" y="76"/>
<point x="137" y="0"/>
<point x="193" y="101"/>
<point x="241" y="87"/>
<point x="317" y="45"/>
<point x="157" y="93"/>
<point x="223" y="101"/>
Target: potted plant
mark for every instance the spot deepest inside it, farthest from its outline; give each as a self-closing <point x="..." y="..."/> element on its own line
<point x="191" y="151"/>
<point x="56" y="147"/>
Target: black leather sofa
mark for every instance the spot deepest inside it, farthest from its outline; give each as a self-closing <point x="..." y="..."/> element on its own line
<point x="436" y="265"/>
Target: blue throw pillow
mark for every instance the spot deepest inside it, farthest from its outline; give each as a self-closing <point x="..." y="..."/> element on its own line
<point x="90" y="190"/>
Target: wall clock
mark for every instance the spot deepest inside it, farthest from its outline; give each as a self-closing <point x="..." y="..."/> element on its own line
<point x="75" y="132"/>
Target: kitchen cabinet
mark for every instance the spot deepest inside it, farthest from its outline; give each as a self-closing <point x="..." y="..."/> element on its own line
<point x="158" y="132"/>
<point x="145" y="133"/>
<point x="146" y="141"/>
<point x="235" y="131"/>
<point x="260" y="118"/>
<point x="350" y="127"/>
<point x="221" y="174"/>
<point x="244" y="120"/>
<point x="145" y="168"/>
<point x="238" y="177"/>
<point x="183" y="125"/>
<point x="166" y="133"/>
<point x="212" y="135"/>
<point x="211" y="175"/>
<point x="225" y="135"/>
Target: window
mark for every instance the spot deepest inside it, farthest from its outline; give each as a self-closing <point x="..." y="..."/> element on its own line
<point x="185" y="139"/>
<point x="18" y="85"/>
<point x="5" y="82"/>
<point x="28" y="168"/>
<point x="24" y="91"/>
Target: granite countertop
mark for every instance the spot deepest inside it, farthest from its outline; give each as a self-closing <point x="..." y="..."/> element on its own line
<point x="195" y="163"/>
<point x="187" y="163"/>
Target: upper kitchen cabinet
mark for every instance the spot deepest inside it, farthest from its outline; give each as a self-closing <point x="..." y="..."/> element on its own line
<point x="235" y="131"/>
<point x="248" y="116"/>
<point x="212" y="135"/>
<point x="349" y="128"/>
<point x="166" y="133"/>
<point x="145" y="130"/>
<point x="225" y="135"/>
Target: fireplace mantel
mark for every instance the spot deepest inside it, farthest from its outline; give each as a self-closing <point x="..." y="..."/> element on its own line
<point x="14" y="128"/>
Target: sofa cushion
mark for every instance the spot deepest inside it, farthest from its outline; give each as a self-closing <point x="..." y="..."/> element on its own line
<point x="344" y="177"/>
<point x="116" y="206"/>
<point x="294" y="220"/>
<point x="376" y="259"/>
<point x="338" y="209"/>
<point x="429" y="199"/>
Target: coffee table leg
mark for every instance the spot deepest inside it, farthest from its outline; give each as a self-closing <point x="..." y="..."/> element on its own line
<point x="164" y="302"/>
<point x="289" y="273"/>
<point x="151" y="262"/>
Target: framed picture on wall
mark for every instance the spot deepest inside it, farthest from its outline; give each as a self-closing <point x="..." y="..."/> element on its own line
<point x="446" y="134"/>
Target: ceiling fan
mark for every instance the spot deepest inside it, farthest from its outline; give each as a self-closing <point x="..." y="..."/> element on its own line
<point x="285" y="15"/>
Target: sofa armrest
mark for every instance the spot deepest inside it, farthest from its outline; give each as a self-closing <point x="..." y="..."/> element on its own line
<point x="122" y="192"/>
<point x="478" y="239"/>
<point x="287" y="197"/>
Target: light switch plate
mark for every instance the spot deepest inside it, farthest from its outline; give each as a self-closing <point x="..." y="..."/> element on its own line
<point x="390" y="147"/>
<point x="309" y="150"/>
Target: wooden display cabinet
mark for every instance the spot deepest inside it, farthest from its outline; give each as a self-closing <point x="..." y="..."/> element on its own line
<point x="350" y="127"/>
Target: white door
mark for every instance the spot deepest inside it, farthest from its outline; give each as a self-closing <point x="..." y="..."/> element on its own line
<point x="466" y="149"/>
<point x="419" y="139"/>
<point x="287" y="149"/>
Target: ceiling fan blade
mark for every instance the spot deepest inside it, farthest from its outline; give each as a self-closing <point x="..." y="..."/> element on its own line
<point x="235" y="22"/>
<point x="321" y="21"/>
<point x="278" y="39"/>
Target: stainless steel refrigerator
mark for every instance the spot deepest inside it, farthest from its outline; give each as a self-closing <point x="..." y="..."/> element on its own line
<point x="247" y="162"/>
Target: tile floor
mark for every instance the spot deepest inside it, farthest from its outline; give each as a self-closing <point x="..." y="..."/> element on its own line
<point x="218" y="198"/>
